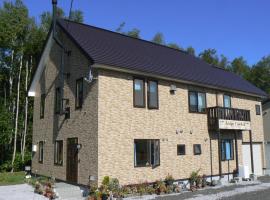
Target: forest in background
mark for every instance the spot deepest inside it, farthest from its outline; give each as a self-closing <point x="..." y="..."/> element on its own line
<point x="21" y="43"/>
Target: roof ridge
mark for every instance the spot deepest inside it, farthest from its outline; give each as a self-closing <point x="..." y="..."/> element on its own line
<point x="121" y="34"/>
<point x="144" y="40"/>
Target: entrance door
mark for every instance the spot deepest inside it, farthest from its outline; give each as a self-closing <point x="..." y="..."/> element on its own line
<point x="257" y="158"/>
<point x="72" y="160"/>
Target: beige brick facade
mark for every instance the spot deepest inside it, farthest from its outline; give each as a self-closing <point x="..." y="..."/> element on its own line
<point x="108" y="123"/>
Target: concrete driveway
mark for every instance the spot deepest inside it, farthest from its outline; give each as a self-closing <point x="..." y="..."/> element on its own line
<point x="19" y="192"/>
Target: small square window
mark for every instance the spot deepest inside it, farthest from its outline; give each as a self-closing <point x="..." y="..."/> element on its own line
<point x="197" y="149"/>
<point x="181" y="149"/>
<point x="258" y="109"/>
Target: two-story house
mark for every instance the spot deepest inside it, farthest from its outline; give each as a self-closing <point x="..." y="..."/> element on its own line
<point x="109" y="104"/>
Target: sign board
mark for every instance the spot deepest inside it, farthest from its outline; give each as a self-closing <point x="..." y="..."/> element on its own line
<point x="234" y="124"/>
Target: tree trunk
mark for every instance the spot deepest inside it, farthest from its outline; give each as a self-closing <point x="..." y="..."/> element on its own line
<point x="17" y="115"/>
<point x="26" y="112"/>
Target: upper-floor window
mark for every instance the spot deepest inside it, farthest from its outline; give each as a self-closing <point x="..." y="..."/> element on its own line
<point x="57" y="100"/>
<point x="227" y="149"/>
<point x="42" y="105"/>
<point x="147" y="153"/>
<point x="138" y="93"/>
<point x="152" y="97"/>
<point x="258" y="109"/>
<point x="40" y="151"/>
<point x="79" y="93"/>
<point x="197" y="102"/>
<point x="58" y="152"/>
<point x="227" y="101"/>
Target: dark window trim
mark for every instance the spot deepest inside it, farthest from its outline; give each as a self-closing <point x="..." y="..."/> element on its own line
<point x="258" y="113"/>
<point x="42" y="105"/>
<point x="148" y="94"/>
<point x="39" y="158"/>
<point x="181" y="154"/>
<point x="143" y="79"/>
<point x="56" y="103"/>
<point x="138" y="166"/>
<point x="190" y="111"/>
<point x="194" y="149"/>
<point x="80" y="106"/>
<point x="232" y="150"/>
<point x="56" y="163"/>
<point x="230" y="100"/>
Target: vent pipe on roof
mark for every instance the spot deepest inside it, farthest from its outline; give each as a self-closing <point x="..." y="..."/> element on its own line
<point x="54" y="15"/>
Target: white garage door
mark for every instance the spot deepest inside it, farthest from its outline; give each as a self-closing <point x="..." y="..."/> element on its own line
<point x="257" y="158"/>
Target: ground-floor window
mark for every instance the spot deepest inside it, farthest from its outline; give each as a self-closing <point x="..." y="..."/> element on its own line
<point x="181" y="149"/>
<point x="40" y="151"/>
<point x="58" y="152"/>
<point x="227" y="149"/>
<point x="197" y="149"/>
<point x="146" y="153"/>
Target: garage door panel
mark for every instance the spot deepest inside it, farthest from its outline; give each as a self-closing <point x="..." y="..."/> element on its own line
<point x="257" y="158"/>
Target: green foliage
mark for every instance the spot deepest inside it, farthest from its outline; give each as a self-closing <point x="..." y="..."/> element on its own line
<point x="174" y="46"/>
<point x="18" y="163"/>
<point x="194" y="176"/>
<point x="158" y="38"/>
<point x="260" y="74"/>
<point x="6" y="125"/>
<point x="76" y="16"/>
<point x="240" y="67"/>
<point x="210" y="56"/>
<point x="191" y="51"/>
<point x="106" y="181"/>
<point x="135" y="33"/>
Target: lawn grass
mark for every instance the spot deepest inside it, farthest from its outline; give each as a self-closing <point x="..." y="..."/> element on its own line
<point x="11" y="178"/>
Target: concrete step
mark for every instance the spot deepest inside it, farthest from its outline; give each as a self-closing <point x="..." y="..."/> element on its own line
<point x="66" y="191"/>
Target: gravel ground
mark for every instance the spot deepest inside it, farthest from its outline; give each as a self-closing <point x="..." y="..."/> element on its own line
<point x="19" y="192"/>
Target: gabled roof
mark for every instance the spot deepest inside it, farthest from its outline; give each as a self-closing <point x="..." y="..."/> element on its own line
<point x="120" y="51"/>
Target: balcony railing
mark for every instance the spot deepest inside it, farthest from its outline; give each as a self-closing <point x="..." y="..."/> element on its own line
<point x="215" y="114"/>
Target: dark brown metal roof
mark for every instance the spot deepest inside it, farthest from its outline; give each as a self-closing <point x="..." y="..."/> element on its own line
<point x="120" y="51"/>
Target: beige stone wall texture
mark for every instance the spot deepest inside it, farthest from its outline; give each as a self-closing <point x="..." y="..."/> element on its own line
<point x="120" y="123"/>
<point x="82" y="123"/>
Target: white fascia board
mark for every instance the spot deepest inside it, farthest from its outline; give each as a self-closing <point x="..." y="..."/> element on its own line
<point x="41" y="66"/>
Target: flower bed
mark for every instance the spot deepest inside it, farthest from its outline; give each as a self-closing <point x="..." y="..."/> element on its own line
<point x="110" y="187"/>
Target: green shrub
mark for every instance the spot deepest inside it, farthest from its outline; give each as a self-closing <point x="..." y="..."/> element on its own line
<point x="106" y="181"/>
<point x="18" y="163"/>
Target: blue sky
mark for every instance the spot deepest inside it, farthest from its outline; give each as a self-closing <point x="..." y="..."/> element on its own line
<point x="233" y="27"/>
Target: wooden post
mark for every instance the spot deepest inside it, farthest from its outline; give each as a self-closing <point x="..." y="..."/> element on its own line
<point x="219" y="153"/>
<point x="251" y="151"/>
<point x="236" y="152"/>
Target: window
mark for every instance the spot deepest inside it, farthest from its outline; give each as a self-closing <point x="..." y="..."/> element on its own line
<point x="146" y="153"/>
<point x="152" y="96"/>
<point x="42" y="105"/>
<point x="40" y="151"/>
<point x="258" y="109"/>
<point x="227" y="101"/>
<point x="58" y="152"/>
<point x="227" y="150"/>
<point x="197" y="102"/>
<point x="79" y="93"/>
<point x="197" y="149"/>
<point x="57" y="100"/>
<point x="138" y="93"/>
<point x="181" y="149"/>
